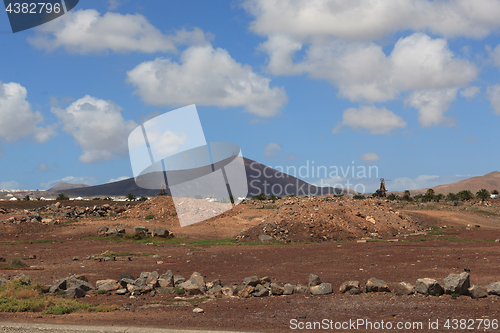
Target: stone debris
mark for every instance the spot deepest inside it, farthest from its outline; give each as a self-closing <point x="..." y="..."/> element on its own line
<point x="404" y="288"/>
<point x="376" y="285"/>
<point x="477" y="292"/>
<point x="427" y="286"/>
<point x="151" y="283"/>
<point x="303" y="219"/>
<point x="457" y="284"/>
<point x="350" y="286"/>
<point x="493" y="289"/>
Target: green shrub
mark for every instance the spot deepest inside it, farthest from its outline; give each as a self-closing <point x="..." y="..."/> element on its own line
<point x="261" y="197"/>
<point x="149" y="217"/>
<point x="62" y="196"/>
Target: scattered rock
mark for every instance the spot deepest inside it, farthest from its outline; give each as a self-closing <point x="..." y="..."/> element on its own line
<point x="404" y="288"/>
<point x="376" y="285"/>
<point x="301" y="289"/>
<point x="477" y="292"/>
<point x="140" y="228"/>
<point x="288" y="289"/>
<point x="427" y="286"/>
<point x="161" y="232"/>
<point x="195" y="285"/>
<point x="493" y="289"/>
<point x="276" y="289"/>
<point x="251" y="281"/>
<point x="108" y="285"/>
<point x="350" y="286"/>
<point x="457" y="284"/>
<point x="74" y="292"/>
<point x="321" y="289"/>
<point x="178" y="279"/>
<point x="198" y="310"/>
<point x="314" y="280"/>
<point x="265" y="238"/>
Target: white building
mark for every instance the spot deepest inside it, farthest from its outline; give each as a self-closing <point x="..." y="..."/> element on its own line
<point x="494" y="196"/>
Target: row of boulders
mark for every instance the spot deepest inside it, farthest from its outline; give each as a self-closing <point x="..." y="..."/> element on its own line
<point x="138" y="232"/>
<point x="253" y="286"/>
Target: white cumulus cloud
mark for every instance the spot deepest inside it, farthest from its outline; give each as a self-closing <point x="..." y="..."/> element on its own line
<point x="369" y="157"/>
<point x="338" y="41"/>
<point x="470" y="92"/>
<point x="375" y="120"/>
<point x="97" y="127"/>
<point x="87" y="31"/>
<point x="493" y="93"/>
<point x="272" y="149"/>
<point x="206" y="76"/>
<point x="373" y="19"/>
<point x="17" y="119"/>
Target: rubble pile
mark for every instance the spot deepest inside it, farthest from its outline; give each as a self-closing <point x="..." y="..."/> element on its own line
<point x="314" y="219"/>
<point x="52" y="214"/>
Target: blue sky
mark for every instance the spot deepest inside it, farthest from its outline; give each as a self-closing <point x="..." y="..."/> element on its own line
<point x="409" y="87"/>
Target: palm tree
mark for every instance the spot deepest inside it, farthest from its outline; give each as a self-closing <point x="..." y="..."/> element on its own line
<point x="131" y="197"/>
<point x="429" y="195"/>
<point x="483" y="194"/>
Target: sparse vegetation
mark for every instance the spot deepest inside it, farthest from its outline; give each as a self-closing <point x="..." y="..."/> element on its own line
<point x="483" y="194"/>
<point x="62" y="196"/>
<point x="359" y="196"/>
<point x="149" y="217"/>
<point x="14" y="263"/>
<point x="21" y="296"/>
<point x="143" y="198"/>
<point x="260" y="197"/>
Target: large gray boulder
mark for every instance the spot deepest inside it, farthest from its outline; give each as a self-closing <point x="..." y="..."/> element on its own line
<point x="74" y="292"/>
<point x="493" y="289"/>
<point x="427" y="286"/>
<point x="301" y="289"/>
<point x="260" y="291"/>
<point x="477" y="292"/>
<point x="178" y="279"/>
<point x="108" y="285"/>
<point x="288" y="289"/>
<point x="404" y="288"/>
<point x="314" y="280"/>
<point x="140" y="229"/>
<point x="195" y="285"/>
<point x="376" y="285"/>
<point x="276" y="289"/>
<point x="457" y="284"/>
<point x="350" y="286"/>
<point x="251" y="281"/>
<point x="161" y="232"/>
<point x="166" y="280"/>
<point x="321" y="289"/>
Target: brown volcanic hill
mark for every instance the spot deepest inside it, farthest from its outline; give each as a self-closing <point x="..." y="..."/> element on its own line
<point x="66" y="186"/>
<point x="260" y="178"/>
<point x="490" y="181"/>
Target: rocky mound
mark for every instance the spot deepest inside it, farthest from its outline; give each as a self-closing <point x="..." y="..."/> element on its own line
<point x="324" y="219"/>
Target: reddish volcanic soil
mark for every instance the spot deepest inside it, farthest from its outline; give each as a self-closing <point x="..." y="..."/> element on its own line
<point x="355" y="248"/>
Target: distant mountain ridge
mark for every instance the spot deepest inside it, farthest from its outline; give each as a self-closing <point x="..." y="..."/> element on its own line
<point x="66" y="186"/>
<point x="490" y="182"/>
<point x="260" y="178"/>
